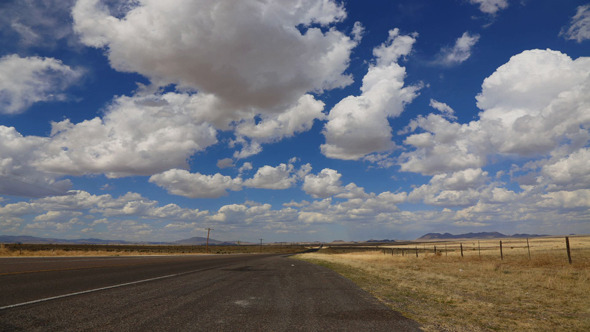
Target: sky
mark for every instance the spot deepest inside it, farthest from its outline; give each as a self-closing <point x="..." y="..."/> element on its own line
<point x="303" y="120"/>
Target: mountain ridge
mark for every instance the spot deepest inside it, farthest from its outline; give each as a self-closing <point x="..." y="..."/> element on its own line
<point x="27" y="239"/>
<point x="479" y="235"/>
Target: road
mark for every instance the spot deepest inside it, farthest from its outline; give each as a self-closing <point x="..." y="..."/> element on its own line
<point x="185" y="293"/>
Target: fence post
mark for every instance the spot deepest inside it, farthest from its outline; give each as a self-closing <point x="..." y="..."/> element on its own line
<point x="461" y="244"/>
<point x="479" y="249"/>
<point x="434" y="250"/>
<point x="567" y="245"/>
<point x="501" y="253"/>
<point x="446" y="251"/>
<point x="528" y="247"/>
<point x="416" y="251"/>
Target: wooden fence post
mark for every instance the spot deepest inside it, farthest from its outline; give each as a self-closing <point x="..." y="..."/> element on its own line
<point x="528" y="247"/>
<point x="479" y="249"/>
<point x="461" y="244"/>
<point x="434" y="250"/>
<point x="416" y="251"/>
<point x="501" y="253"/>
<point x="567" y="246"/>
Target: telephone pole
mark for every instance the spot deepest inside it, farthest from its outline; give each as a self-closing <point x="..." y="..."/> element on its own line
<point x="261" y="245"/>
<point x="208" y="231"/>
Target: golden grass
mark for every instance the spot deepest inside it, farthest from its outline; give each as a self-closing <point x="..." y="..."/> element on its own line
<point x="445" y="292"/>
<point x="58" y="252"/>
<point x="16" y="250"/>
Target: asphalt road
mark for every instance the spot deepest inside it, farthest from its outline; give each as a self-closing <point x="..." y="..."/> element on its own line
<point x="185" y="293"/>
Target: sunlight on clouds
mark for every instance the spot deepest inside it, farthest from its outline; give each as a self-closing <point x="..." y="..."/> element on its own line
<point x="358" y="125"/>
<point x="219" y="48"/>
<point x="29" y="80"/>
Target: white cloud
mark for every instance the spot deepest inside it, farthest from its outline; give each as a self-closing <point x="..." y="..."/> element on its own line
<point x="461" y="188"/>
<point x="579" y="29"/>
<point x="460" y="52"/>
<point x="29" y="80"/>
<point x="17" y="174"/>
<point x="248" y="54"/>
<point x="568" y="173"/>
<point x="567" y="199"/>
<point x="358" y="125"/>
<point x="225" y="163"/>
<point x="274" y="127"/>
<point x="490" y="6"/>
<point x="326" y="183"/>
<point x="139" y="135"/>
<point x="268" y="177"/>
<point x="534" y="104"/>
<point x="195" y="185"/>
<point x="57" y="216"/>
<point x="442" y="107"/>
<point x="247" y="166"/>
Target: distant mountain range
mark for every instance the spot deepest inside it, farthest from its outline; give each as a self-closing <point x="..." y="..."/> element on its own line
<point x="481" y="235"/>
<point x="25" y="239"/>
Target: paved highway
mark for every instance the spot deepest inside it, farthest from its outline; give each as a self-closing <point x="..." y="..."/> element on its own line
<point x="185" y="293"/>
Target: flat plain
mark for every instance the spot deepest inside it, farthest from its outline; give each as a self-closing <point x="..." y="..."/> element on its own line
<point x="479" y="291"/>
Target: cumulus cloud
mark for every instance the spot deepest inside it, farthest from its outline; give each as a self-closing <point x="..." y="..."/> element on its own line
<point x="568" y="173"/>
<point x="462" y="188"/>
<point x="490" y="6"/>
<point x="195" y="185"/>
<point x="18" y="176"/>
<point x="262" y="55"/>
<point x="268" y="177"/>
<point x="461" y="51"/>
<point x="324" y="184"/>
<point x="532" y="105"/>
<point x="358" y="125"/>
<point x="274" y="127"/>
<point x="579" y="28"/>
<point x="138" y="135"/>
<point x="29" y="80"/>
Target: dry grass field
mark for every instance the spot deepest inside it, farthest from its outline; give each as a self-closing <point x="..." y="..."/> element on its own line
<point x="477" y="292"/>
<point x="27" y="250"/>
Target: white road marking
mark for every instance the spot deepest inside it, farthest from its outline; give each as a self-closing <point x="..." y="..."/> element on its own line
<point x="103" y="288"/>
<point x="85" y="292"/>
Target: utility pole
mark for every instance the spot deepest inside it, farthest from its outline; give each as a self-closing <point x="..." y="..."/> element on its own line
<point x="261" y="245"/>
<point x="208" y="231"/>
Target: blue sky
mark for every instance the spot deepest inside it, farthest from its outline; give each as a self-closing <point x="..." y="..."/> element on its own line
<point x="299" y="120"/>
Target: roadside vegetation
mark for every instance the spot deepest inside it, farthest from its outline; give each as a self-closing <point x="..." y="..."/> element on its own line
<point x="16" y="249"/>
<point x="479" y="291"/>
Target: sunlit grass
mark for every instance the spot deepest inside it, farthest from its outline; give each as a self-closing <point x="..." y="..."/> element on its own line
<point x="447" y="292"/>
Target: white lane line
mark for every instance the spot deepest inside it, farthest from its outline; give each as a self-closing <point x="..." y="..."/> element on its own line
<point x="85" y="292"/>
<point x="103" y="288"/>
